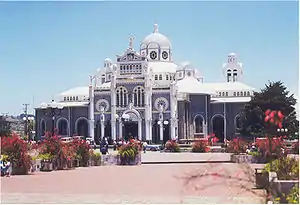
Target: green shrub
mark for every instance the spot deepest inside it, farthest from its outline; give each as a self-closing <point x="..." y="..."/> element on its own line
<point x="255" y="153"/>
<point x="287" y="168"/>
<point x="293" y="197"/>
<point x="46" y="156"/>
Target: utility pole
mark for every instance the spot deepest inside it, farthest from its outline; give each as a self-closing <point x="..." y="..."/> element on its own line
<point x="26" y="118"/>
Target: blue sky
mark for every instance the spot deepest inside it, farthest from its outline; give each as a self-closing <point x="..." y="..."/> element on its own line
<point x="49" y="47"/>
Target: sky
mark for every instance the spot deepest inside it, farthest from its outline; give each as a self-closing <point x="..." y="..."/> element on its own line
<point x="49" y="47"/>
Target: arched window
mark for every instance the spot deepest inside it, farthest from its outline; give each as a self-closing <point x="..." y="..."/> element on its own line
<point x="238" y="93"/>
<point x="43" y="127"/>
<point x="160" y="77"/>
<point x="156" y="77"/>
<point x="77" y="98"/>
<point x="122" y="97"/>
<point x="241" y="93"/>
<point x="248" y="93"/>
<point x="234" y="93"/>
<point x="62" y="126"/>
<point x="167" y="77"/>
<point x="226" y="94"/>
<point x="139" y="96"/>
<point x="68" y="98"/>
<point x="223" y="94"/>
<point x="198" y="124"/>
<point x="234" y="75"/>
<point x="228" y="75"/>
<point x="245" y="93"/>
<point x="65" y="98"/>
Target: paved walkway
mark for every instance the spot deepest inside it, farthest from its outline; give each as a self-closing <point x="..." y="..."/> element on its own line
<point x="164" y="183"/>
<point x="184" y="157"/>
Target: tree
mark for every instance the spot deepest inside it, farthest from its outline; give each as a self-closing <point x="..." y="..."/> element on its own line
<point x="5" y="128"/>
<point x="274" y="96"/>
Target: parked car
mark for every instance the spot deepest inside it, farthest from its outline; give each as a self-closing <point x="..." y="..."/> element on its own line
<point x="153" y="147"/>
<point x="78" y="138"/>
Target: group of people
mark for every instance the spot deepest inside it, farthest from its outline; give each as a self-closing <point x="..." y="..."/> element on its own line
<point x="5" y="167"/>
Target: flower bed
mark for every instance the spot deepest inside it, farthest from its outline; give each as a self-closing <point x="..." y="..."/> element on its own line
<point x="283" y="176"/>
<point x="201" y="146"/>
<point x="172" y="146"/>
<point x="17" y="153"/>
<point x="237" y="146"/>
<point x="129" y="153"/>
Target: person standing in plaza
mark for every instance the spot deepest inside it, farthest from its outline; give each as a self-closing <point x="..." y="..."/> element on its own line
<point x="145" y="144"/>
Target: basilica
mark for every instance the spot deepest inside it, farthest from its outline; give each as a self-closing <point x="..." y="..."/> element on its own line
<point x="145" y="94"/>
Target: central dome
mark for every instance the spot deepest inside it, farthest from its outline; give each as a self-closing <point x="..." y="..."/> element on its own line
<point x="157" y="38"/>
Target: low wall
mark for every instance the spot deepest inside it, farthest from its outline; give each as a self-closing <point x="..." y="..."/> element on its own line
<point x="280" y="186"/>
<point x="108" y="160"/>
<point x="246" y="158"/>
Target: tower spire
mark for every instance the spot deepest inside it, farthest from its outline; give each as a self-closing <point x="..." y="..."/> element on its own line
<point x="155" y="28"/>
<point x="131" y="39"/>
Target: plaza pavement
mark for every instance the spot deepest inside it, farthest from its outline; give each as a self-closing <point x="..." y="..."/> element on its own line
<point x="147" y="183"/>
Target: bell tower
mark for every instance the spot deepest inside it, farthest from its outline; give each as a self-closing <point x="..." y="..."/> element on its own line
<point x="233" y="69"/>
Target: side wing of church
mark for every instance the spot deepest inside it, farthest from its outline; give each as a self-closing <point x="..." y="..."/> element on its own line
<point x="147" y="96"/>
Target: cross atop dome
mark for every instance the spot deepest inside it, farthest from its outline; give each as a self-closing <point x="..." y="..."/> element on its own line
<point x="155" y="28"/>
<point x="131" y="39"/>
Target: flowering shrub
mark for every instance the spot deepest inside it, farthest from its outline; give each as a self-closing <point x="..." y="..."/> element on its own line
<point x="129" y="151"/>
<point x="212" y="139"/>
<point x="172" y="146"/>
<point x="50" y="145"/>
<point x="17" y="151"/>
<point x="269" y="146"/>
<point x="81" y="150"/>
<point x="201" y="146"/>
<point x="237" y="146"/>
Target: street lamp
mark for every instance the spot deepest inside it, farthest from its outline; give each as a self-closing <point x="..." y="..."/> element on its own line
<point x="55" y="109"/>
<point x="28" y="130"/>
<point x="282" y="130"/>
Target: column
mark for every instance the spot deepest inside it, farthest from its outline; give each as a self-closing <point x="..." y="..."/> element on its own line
<point x="102" y="125"/>
<point x="161" y="123"/>
<point x="140" y="129"/>
<point x="113" y="106"/>
<point x="148" y="113"/>
<point x="161" y="130"/>
<point x="120" y="130"/>
<point x="91" y="109"/>
<point x="225" y="124"/>
<point x="173" y="107"/>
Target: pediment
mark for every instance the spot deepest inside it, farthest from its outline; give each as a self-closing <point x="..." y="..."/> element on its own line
<point x="130" y="55"/>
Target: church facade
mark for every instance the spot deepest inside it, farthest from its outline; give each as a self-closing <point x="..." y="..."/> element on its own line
<point x="146" y="95"/>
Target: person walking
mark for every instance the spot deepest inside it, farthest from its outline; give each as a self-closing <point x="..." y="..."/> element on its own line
<point x="103" y="146"/>
<point x="145" y="144"/>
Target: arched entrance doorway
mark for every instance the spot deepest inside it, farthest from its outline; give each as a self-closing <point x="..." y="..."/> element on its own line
<point x="218" y="127"/>
<point x="166" y="127"/>
<point x="107" y="131"/>
<point x="82" y="127"/>
<point x="155" y="132"/>
<point x="43" y="127"/>
<point x="62" y="126"/>
<point x="130" y="125"/>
